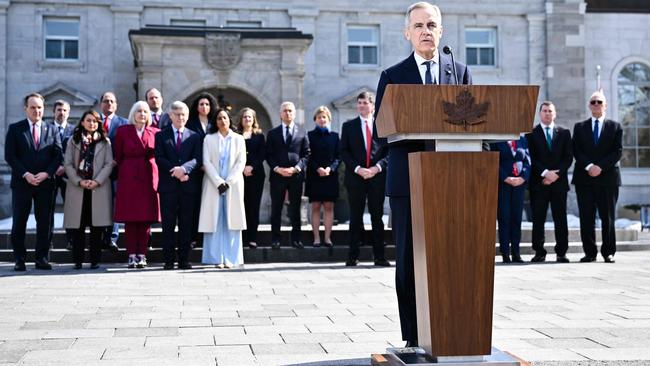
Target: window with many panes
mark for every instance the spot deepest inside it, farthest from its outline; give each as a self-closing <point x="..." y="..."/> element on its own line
<point x="363" y="45"/>
<point x="61" y="38"/>
<point x="634" y="114"/>
<point x="481" y="46"/>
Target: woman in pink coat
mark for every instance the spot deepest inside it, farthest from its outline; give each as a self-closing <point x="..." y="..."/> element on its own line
<point x="136" y="203"/>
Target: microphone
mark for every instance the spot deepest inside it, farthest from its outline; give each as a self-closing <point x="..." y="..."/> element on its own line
<point x="447" y="51"/>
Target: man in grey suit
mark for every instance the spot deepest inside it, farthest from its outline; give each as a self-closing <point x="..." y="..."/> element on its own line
<point x="426" y="65"/>
<point x="111" y="122"/>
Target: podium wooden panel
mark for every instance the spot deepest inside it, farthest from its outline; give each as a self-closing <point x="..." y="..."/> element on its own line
<point x="453" y="200"/>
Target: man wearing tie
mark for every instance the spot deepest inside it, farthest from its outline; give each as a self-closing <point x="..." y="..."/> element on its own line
<point x="426" y="65"/>
<point x="365" y="178"/>
<point x="64" y="129"/>
<point x="154" y="99"/>
<point x="178" y="152"/>
<point x="597" y="148"/>
<point x="551" y="155"/>
<point x="33" y="151"/>
<point x="111" y="122"/>
<point x="287" y="151"/>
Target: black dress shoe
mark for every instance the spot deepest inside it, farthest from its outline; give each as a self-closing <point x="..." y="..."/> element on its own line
<point x="43" y="264"/>
<point x="94" y="265"/>
<point x="411" y="344"/>
<point x="538" y="258"/>
<point x="297" y="244"/>
<point x="77" y="266"/>
<point x="382" y="263"/>
<point x="610" y="259"/>
<point x="168" y="266"/>
<point x="351" y="262"/>
<point x="516" y="258"/>
<point x="275" y="245"/>
<point x="20" y="267"/>
<point x="587" y="259"/>
<point x="505" y="258"/>
<point x="184" y="265"/>
<point x="562" y="259"/>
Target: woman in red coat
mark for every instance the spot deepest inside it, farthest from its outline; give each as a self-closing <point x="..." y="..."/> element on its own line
<point x="136" y="204"/>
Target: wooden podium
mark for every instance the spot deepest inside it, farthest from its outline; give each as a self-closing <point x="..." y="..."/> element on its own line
<point x="454" y="202"/>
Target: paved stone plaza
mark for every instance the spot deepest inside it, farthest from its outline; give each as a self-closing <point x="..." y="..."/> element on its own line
<point x="307" y="314"/>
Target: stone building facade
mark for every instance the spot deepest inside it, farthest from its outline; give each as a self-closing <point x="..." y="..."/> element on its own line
<point x="258" y="54"/>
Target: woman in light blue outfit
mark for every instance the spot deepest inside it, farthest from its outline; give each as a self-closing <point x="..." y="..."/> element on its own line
<point x="222" y="217"/>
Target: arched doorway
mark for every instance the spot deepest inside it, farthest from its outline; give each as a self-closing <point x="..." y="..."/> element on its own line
<point x="238" y="99"/>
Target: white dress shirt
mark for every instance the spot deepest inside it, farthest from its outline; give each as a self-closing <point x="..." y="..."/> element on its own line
<point x="601" y="119"/>
<point x="435" y="67"/>
<point x="365" y="138"/>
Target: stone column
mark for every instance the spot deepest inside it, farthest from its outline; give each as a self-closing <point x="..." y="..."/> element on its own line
<point x="537" y="53"/>
<point x="4" y="5"/>
<point x="292" y="75"/>
<point x="304" y="20"/>
<point x="125" y="18"/>
<point x="565" y="58"/>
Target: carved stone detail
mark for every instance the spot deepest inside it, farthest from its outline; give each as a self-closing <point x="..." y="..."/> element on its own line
<point x="223" y="50"/>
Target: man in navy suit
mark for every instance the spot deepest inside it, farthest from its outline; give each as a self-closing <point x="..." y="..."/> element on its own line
<point x="155" y="101"/>
<point x="551" y="154"/>
<point x="33" y="151"/>
<point x="597" y="148"/>
<point x="111" y="122"/>
<point x="365" y="178"/>
<point x="178" y="152"/>
<point x="287" y="151"/>
<point x="426" y="65"/>
<point x="64" y="129"/>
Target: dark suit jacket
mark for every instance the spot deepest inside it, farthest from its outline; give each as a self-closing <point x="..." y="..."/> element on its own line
<point x="353" y="152"/>
<point x="507" y="159"/>
<point x="278" y="154"/>
<point x="22" y="157"/>
<point x="67" y="133"/>
<point x="606" y="154"/>
<point x="116" y="123"/>
<point x="165" y="121"/>
<point x="560" y="157"/>
<point x="195" y="125"/>
<point x="190" y="158"/>
<point x="407" y="72"/>
<point x="255" y="151"/>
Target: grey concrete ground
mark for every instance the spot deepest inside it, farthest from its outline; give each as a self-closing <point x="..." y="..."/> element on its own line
<point x="308" y="314"/>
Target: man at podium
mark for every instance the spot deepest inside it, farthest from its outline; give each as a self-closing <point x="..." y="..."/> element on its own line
<point x="426" y="65"/>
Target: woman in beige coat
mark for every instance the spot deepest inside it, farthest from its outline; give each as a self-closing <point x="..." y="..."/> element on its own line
<point x="222" y="217"/>
<point x="88" y="164"/>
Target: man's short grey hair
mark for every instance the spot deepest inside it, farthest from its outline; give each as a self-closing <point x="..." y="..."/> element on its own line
<point x="179" y="105"/>
<point x="287" y="103"/>
<point x="422" y="5"/>
<point x="598" y="94"/>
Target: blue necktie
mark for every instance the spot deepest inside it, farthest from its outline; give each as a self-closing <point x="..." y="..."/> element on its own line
<point x="596" y="132"/>
<point x="427" y="76"/>
<point x="548" y="137"/>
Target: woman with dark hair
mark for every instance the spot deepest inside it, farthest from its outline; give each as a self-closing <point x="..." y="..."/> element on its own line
<point x="88" y="164"/>
<point x="222" y="216"/>
<point x="322" y="185"/>
<point x="254" y="173"/>
<point x="136" y="203"/>
<point x="203" y="112"/>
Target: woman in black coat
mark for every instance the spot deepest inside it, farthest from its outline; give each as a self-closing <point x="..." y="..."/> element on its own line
<point x="322" y="185"/>
<point x="254" y="174"/>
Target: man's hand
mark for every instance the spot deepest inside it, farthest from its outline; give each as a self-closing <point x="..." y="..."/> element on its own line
<point x="59" y="171"/>
<point x="248" y="171"/>
<point x="515" y="181"/>
<point x="286" y="172"/>
<point x="323" y="172"/>
<point x="552" y="176"/>
<point x="177" y="172"/>
<point x="40" y="177"/>
<point x="185" y="178"/>
<point x="31" y="179"/>
<point x="595" y="171"/>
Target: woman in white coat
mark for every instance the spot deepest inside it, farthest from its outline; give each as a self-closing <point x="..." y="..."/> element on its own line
<point x="222" y="217"/>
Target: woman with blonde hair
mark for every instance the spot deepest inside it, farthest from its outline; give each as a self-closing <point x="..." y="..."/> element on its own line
<point x="254" y="173"/>
<point x="136" y="203"/>
<point x="322" y="186"/>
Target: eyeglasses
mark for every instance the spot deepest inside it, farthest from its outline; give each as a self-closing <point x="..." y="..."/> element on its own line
<point x="594" y="102"/>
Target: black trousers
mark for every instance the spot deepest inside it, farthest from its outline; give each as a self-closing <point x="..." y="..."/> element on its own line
<point x="176" y="207"/>
<point x="603" y="199"/>
<point x="404" y="272"/>
<point x="279" y="186"/>
<point x="78" y="235"/>
<point x="358" y="194"/>
<point x="540" y="200"/>
<point x="59" y="186"/>
<point x="196" y="236"/>
<point x="21" y="205"/>
<point x="253" y="188"/>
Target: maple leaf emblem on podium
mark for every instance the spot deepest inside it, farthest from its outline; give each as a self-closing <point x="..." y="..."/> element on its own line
<point x="465" y="112"/>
